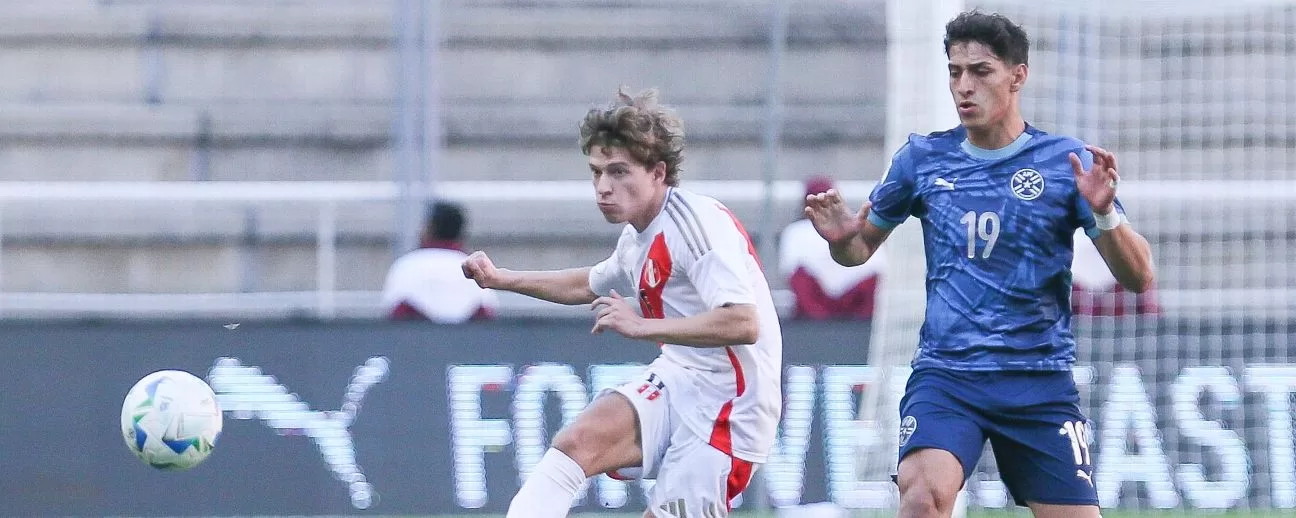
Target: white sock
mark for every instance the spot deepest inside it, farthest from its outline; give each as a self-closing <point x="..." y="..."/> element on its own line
<point x="550" y="489"/>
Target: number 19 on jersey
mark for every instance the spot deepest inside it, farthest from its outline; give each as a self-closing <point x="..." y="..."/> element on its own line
<point x="981" y="227"/>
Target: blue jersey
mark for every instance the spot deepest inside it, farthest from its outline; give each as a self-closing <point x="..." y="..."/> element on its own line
<point x="998" y="228"/>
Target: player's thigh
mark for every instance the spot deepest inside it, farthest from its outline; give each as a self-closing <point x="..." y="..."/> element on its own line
<point x="1044" y="459"/>
<point x="695" y="479"/>
<point x="938" y="447"/>
<point x="604" y="436"/>
<point x="933" y="417"/>
<point x="650" y="396"/>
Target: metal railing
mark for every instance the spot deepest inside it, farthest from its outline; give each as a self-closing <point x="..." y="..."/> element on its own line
<point x="326" y="301"/>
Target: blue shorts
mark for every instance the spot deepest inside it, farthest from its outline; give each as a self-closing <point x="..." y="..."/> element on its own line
<point x="1033" y="421"/>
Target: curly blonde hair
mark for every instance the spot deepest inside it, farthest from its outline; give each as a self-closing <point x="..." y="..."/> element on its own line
<point x="650" y="132"/>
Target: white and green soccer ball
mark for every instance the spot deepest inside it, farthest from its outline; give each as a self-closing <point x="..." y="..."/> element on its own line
<point x="171" y="420"/>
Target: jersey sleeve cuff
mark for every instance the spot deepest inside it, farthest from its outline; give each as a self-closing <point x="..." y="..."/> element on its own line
<point x="598" y="279"/>
<point x="882" y="223"/>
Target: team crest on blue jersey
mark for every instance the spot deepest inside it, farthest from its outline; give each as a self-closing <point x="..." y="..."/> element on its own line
<point x="1027" y="184"/>
<point x="907" y="428"/>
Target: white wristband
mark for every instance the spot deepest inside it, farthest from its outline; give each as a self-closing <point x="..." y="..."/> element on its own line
<point x="1108" y="221"/>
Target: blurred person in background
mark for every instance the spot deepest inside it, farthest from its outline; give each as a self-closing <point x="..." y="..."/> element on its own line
<point x="825" y="290"/>
<point x="428" y="284"/>
<point x="702" y="417"/>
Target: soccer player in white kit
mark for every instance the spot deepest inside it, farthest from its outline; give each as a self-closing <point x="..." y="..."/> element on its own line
<point x="684" y="276"/>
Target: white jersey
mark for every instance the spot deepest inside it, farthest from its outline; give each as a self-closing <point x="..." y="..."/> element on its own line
<point x="694" y="257"/>
<point x="431" y="280"/>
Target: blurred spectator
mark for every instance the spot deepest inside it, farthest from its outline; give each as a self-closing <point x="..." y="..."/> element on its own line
<point x="824" y="289"/>
<point x="429" y="284"/>
<point x="1094" y="290"/>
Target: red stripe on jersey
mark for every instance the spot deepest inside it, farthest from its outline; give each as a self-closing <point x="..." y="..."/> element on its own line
<point x="738" y="373"/>
<point x="652" y="278"/>
<point x="721" y="437"/>
<point x="740" y="475"/>
<point x="751" y="248"/>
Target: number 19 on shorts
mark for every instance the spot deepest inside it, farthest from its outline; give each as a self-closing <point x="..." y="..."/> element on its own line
<point x="1078" y="434"/>
<point x="984" y="226"/>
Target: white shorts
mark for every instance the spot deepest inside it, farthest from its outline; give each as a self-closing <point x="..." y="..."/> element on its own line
<point x="693" y="478"/>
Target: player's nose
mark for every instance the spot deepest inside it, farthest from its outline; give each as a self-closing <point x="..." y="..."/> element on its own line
<point x="964" y="86"/>
<point x="602" y="185"/>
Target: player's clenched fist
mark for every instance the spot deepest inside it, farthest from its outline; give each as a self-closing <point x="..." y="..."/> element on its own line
<point x="479" y="267"/>
<point x="828" y="213"/>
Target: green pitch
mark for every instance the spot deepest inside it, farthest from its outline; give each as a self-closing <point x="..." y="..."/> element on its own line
<point x="1022" y="513"/>
<point x="1107" y="513"/>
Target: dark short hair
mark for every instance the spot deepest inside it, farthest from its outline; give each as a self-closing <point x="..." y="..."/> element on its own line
<point x="1006" y="39"/>
<point x="445" y="221"/>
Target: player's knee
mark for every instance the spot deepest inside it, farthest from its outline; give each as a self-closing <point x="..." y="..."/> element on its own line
<point x="574" y="440"/>
<point x="590" y="444"/>
<point x="605" y="432"/>
<point x="925" y="503"/>
<point x="921" y="497"/>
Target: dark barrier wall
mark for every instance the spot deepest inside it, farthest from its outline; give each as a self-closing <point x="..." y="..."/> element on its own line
<point x="376" y="418"/>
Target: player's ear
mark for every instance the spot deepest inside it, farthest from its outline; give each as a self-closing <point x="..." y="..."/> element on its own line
<point x="1019" y="74"/>
<point x="658" y="171"/>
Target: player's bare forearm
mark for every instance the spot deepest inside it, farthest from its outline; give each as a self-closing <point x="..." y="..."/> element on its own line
<point x="860" y="247"/>
<point x="570" y="286"/>
<point x="850" y="252"/>
<point x="1129" y="257"/>
<point x="736" y="324"/>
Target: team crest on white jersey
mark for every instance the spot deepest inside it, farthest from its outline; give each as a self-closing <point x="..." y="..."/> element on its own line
<point x="650" y="273"/>
<point x="1027" y="184"/>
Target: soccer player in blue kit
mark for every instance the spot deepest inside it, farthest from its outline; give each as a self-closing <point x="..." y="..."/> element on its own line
<point x="999" y="203"/>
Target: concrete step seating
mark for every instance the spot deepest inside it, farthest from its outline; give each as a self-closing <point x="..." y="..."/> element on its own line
<point x="272" y="90"/>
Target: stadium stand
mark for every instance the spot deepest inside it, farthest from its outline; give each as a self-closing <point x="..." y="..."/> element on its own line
<point x="247" y="90"/>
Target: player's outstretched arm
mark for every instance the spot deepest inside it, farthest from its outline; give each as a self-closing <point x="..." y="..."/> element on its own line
<point x="1129" y="257"/>
<point x="733" y="324"/>
<point x="570" y="286"/>
<point x="1127" y="254"/>
<point x="852" y="238"/>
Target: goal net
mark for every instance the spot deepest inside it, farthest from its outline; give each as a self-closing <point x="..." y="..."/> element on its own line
<point x="1188" y="387"/>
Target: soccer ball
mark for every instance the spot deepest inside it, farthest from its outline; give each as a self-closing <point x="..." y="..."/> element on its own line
<point x="171" y="420"/>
